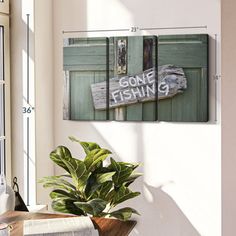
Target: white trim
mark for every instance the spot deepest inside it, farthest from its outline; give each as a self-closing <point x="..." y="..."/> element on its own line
<point x="4" y="7"/>
<point x="4" y="21"/>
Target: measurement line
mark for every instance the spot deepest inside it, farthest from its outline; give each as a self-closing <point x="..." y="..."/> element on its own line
<point x="177" y="27"/>
<point x="97" y="30"/>
<point x="27" y="126"/>
<point x="216" y="77"/>
<point x="140" y="29"/>
<point x="27" y="149"/>
<point x="107" y="77"/>
<point x="27" y="41"/>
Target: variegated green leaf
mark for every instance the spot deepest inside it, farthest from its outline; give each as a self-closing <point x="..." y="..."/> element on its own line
<point x="124" y="194"/>
<point x="66" y="206"/>
<point x="123" y="213"/>
<point x="93" y="207"/>
<point x="78" y="172"/>
<point x="123" y="172"/>
<point x="57" y="182"/>
<point x="61" y="194"/>
<point x="104" y="190"/>
<point x="94" y="157"/>
<point x="101" y="178"/>
<point x="60" y="155"/>
<point x="132" y="178"/>
<point x="87" y="146"/>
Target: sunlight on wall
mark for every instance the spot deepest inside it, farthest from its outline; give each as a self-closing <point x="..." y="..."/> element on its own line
<point x="29" y="131"/>
<point x="178" y="165"/>
<point x="28" y="8"/>
<point x="181" y="161"/>
<point x="114" y="9"/>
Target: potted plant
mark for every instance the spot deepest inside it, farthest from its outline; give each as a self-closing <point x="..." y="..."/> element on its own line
<point x="90" y="187"/>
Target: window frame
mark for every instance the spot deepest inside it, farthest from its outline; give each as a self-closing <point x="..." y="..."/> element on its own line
<point x="4" y="7"/>
<point x="4" y="22"/>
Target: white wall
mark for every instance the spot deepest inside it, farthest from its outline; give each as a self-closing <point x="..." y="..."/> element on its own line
<point x="181" y="187"/>
<point x="181" y="162"/>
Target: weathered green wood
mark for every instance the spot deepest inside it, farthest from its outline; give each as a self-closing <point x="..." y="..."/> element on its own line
<point x="191" y="53"/>
<point x="183" y="50"/>
<point x="150" y="108"/>
<point x="86" y="54"/>
<point x="203" y="110"/>
<point x="165" y="110"/>
<point x="81" y="40"/>
<point x="85" y="60"/>
<point x="86" y="50"/>
<point x="99" y="77"/>
<point x="184" y="107"/>
<point x="135" y="65"/>
<point x="111" y="72"/>
<point x="85" y="67"/>
<point x="81" y="104"/>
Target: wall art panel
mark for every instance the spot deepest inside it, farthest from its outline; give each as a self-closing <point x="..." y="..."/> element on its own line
<point x="136" y="78"/>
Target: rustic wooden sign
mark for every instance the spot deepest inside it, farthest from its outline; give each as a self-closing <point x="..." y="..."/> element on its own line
<point x="140" y="88"/>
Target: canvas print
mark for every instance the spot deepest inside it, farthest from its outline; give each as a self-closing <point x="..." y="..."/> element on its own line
<point x="136" y="78"/>
<point x="190" y="54"/>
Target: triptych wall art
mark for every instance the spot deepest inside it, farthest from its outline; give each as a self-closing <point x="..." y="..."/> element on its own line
<point x="136" y="78"/>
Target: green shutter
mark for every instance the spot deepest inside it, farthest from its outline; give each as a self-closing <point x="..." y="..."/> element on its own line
<point x="86" y="59"/>
<point x="191" y="53"/>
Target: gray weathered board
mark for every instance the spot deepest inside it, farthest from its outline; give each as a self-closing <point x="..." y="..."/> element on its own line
<point x="140" y="88"/>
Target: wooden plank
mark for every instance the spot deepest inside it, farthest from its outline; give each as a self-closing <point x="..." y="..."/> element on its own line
<point x="149" y="61"/>
<point x="184" y="106"/>
<point x="66" y="98"/>
<point x="191" y="53"/>
<point x="148" y="47"/>
<point x="106" y="227"/>
<point x="183" y="50"/>
<point x="112" y="45"/>
<point x="86" y="54"/>
<point x="100" y="77"/>
<point x="86" y="40"/>
<point x="165" y="110"/>
<point x="85" y="60"/>
<point x="135" y="65"/>
<point x="88" y="68"/>
<point x="119" y="44"/>
<point x="81" y="104"/>
<point x="139" y="88"/>
<point x="203" y="103"/>
<point x="86" y="50"/>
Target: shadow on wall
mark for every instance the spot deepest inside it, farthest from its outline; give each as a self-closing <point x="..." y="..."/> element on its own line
<point x="160" y="215"/>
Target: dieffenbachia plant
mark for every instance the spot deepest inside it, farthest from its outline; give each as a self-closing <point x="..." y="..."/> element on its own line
<point x="90" y="187"/>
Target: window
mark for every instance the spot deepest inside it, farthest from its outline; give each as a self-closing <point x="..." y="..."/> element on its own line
<point x="5" y="153"/>
<point x="2" y="103"/>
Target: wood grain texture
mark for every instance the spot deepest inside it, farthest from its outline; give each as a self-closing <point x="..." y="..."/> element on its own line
<point x="106" y="227"/>
<point x="189" y="52"/>
<point x="66" y="98"/>
<point x="140" y="88"/>
<point x="135" y="65"/>
<point x="149" y="61"/>
<point x="83" y="73"/>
